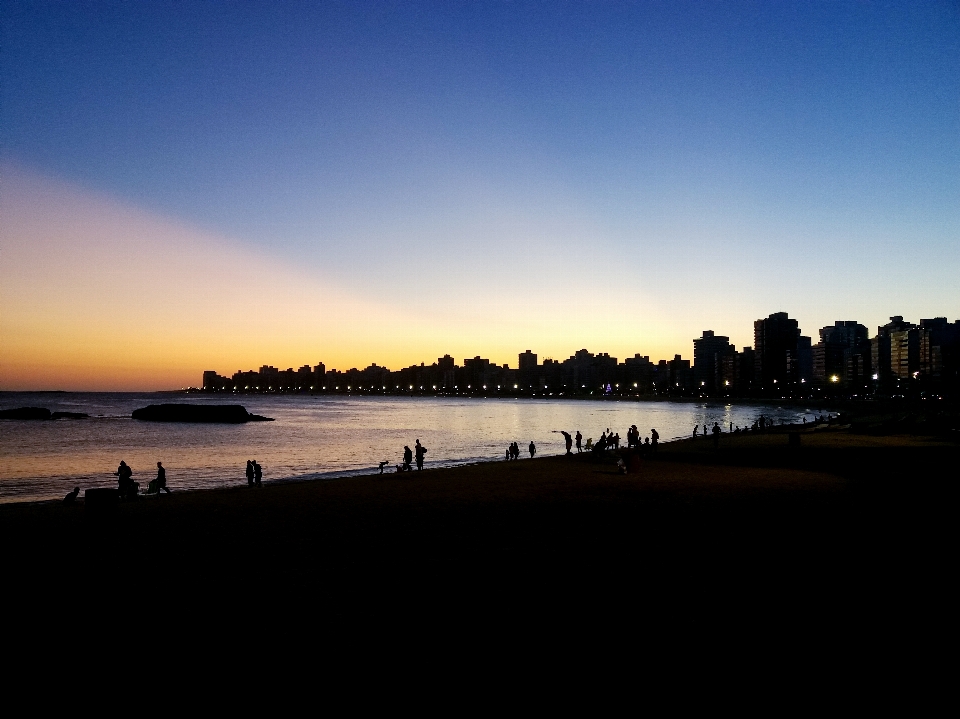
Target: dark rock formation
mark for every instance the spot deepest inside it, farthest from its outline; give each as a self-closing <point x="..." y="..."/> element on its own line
<point x="69" y="415"/>
<point x="25" y="413"/>
<point x="224" y="413"/>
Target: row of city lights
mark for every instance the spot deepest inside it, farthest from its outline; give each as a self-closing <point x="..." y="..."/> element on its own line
<point x="350" y="387"/>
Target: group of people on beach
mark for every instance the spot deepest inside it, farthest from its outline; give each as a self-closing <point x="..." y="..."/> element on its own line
<point x="127" y="488"/>
<point x="409" y="456"/>
<point x="254" y="473"/>
<point x="611" y="440"/>
<point x="513" y="451"/>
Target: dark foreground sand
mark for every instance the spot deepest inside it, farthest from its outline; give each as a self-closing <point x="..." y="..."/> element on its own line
<point x="699" y="538"/>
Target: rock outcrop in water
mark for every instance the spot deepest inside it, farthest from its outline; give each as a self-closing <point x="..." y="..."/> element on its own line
<point x="69" y="415"/>
<point x="25" y="413"/>
<point x="219" y="413"/>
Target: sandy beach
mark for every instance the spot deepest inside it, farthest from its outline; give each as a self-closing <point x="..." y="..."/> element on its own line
<point x="753" y="522"/>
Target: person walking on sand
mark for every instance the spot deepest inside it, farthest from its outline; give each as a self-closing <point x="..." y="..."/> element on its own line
<point x="257" y="473"/>
<point x="420" y="451"/>
<point x="407" y="459"/>
<point x="654" y="440"/>
<point x="533" y="450"/>
<point x="249" y="473"/>
<point x="579" y="440"/>
<point x="161" y="479"/>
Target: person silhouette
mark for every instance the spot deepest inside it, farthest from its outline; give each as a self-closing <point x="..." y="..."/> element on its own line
<point x="249" y="473"/>
<point x="533" y="449"/>
<point x="420" y="451"/>
<point x="579" y="440"/>
<point x="161" y="480"/>
<point x="407" y="459"/>
<point x="124" y="480"/>
<point x="655" y="440"/>
<point x="716" y="434"/>
<point x="257" y="473"/>
<point x="568" y="439"/>
<point x="71" y="497"/>
<point x="696" y="429"/>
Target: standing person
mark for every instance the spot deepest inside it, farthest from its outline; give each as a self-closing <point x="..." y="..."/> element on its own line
<point x="161" y="479"/>
<point x="124" y="479"/>
<point x="579" y="440"/>
<point x="716" y="435"/>
<point x="257" y="473"/>
<point x="506" y="453"/>
<point x="533" y="449"/>
<point x="655" y="439"/>
<point x="407" y="459"/>
<point x="568" y="439"/>
<point x="420" y="451"/>
<point x="616" y="441"/>
<point x="249" y="473"/>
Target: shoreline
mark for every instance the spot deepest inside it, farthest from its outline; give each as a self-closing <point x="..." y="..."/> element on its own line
<point x="365" y="473"/>
<point x="747" y="531"/>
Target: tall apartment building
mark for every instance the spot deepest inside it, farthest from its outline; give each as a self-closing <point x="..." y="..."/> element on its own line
<point x="708" y="355"/>
<point x="775" y="342"/>
<point x="832" y="352"/>
<point x="882" y="351"/>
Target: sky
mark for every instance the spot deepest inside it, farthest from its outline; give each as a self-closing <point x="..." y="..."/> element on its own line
<point x="188" y="185"/>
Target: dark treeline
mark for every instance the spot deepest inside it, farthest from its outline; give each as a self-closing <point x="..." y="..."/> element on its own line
<point x="903" y="360"/>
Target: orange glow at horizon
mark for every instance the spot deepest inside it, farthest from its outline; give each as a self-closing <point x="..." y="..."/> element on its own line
<point x="96" y="295"/>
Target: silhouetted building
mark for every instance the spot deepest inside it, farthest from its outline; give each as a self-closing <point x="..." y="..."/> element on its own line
<point x="881" y="352"/>
<point x="777" y="360"/>
<point x="528" y="373"/>
<point x="638" y="373"/>
<point x="835" y="348"/>
<point x="708" y="354"/>
<point x="939" y="370"/>
<point x="673" y="377"/>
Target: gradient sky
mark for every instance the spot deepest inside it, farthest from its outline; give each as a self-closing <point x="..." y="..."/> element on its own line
<point x="190" y="186"/>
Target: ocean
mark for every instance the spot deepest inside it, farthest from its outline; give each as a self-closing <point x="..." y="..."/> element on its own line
<point x="313" y="437"/>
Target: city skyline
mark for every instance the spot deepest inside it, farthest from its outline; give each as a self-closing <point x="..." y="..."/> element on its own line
<point x="188" y="185"/>
<point x="903" y="359"/>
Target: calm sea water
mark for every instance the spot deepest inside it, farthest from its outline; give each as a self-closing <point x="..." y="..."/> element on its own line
<point x="312" y="437"/>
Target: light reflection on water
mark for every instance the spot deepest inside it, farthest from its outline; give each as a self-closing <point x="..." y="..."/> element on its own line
<point x="312" y="437"/>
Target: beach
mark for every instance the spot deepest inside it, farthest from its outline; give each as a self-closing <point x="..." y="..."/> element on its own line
<point x="753" y="522"/>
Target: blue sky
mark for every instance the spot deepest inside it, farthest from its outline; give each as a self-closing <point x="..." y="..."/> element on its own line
<point x="682" y="166"/>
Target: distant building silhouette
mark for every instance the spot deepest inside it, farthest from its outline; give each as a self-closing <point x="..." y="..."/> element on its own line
<point x="842" y="344"/>
<point x="903" y="359"/>
<point x="708" y="355"/>
<point x="775" y="341"/>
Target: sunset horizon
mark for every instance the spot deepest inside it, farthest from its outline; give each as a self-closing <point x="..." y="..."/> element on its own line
<point x="389" y="187"/>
